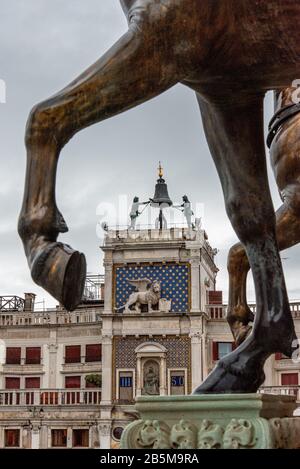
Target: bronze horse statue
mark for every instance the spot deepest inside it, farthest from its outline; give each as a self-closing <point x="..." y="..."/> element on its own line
<point x="230" y="52"/>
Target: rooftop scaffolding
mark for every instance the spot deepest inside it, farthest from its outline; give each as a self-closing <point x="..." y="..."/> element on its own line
<point x="94" y="288"/>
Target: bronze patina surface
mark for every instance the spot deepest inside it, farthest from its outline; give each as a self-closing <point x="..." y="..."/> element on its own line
<point x="230" y="52"/>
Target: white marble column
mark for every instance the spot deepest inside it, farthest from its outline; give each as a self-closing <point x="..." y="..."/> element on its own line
<point x="35" y="437"/>
<point x="195" y="284"/>
<point x="52" y="369"/>
<point x="108" y="286"/>
<point x="206" y="354"/>
<point x="163" y="391"/>
<point x="139" y="384"/>
<point x="196" y="355"/>
<point x="106" y="393"/>
<point x="104" y="433"/>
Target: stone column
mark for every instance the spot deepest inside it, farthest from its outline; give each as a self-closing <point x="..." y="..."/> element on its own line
<point x="51" y="371"/>
<point x="104" y="432"/>
<point x="139" y="383"/>
<point x="197" y="360"/>
<point x="163" y="376"/>
<point x="106" y="394"/>
<point x="206" y="344"/>
<point x="35" y="436"/>
<point x="108" y="286"/>
<point x="195" y="281"/>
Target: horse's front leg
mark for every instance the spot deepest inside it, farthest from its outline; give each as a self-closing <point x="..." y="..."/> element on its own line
<point x="133" y="71"/>
<point x="234" y="128"/>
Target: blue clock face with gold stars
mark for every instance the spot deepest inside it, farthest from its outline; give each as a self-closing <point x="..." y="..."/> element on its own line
<point x="174" y="279"/>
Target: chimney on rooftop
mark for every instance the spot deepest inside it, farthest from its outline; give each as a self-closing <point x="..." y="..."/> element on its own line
<point x="29" y="302"/>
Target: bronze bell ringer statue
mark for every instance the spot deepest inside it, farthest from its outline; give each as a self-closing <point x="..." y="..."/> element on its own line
<point x="230" y="53"/>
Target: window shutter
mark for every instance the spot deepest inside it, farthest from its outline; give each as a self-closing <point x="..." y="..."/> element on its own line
<point x="13" y="355"/>
<point x="73" y="354"/>
<point x="33" y="355"/>
<point x="234" y="346"/>
<point x="215" y="297"/>
<point x="59" y="438"/>
<point x="12" y="383"/>
<point x="73" y="382"/>
<point x="32" y="383"/>
<point x="278" y="356"/>
<point x="289" y="379"/>
<point x="215" y="351"/>
<point x="12" y="438"/>
<point x="93" y="353"/>
<point x="80" y="438"/>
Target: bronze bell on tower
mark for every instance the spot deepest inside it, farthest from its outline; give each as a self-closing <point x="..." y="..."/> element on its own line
<point x="161" y="196"/>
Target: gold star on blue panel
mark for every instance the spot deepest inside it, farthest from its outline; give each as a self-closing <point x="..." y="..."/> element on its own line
<point x="173" y="278"/>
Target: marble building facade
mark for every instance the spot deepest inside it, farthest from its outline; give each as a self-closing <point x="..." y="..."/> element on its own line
<point x="69" y="379"/>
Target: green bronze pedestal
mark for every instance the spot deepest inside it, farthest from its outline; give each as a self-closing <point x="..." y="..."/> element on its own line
<point x="224" y="421"/>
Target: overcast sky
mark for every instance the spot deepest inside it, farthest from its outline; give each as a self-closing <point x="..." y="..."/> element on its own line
<point x="43" y="46"/>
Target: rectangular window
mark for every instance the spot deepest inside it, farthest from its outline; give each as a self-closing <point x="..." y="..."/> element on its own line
<point x="80" y="438"/>
<point x="33" y="355"/>
<point x="93" y="353"/>
<point x="73" y="382"/>
<point x="73" y="354"/>
<point x="12" y="383"/>
<point x="32" y="383"/>
<point x="177" y="383"/>
<point x="221" y="349"/>
<point x="215" y="297"/>
<point x="12" y="438"/>
<point x="13" y="355"/>
<point x="126" y="386"/>
<point x="59" y="438"/>
<point x="289" y="379"/>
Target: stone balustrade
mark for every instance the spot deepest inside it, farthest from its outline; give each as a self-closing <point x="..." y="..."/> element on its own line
<point x="218" y="312"/>
<point x="49" y="317"/>
<point x="50" y="397"/>
<point x="281" y="391"/>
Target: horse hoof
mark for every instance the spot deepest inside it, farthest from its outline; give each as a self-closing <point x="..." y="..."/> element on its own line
<point x="239" y="372"/>
<point x="61" y="271"/>
<point x="226" y="381"/>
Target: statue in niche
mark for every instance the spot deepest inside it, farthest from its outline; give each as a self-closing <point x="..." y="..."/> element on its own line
<point x="151" y="379"/>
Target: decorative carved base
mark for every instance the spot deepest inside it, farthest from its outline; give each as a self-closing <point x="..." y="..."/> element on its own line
<point x="223" y="421"/>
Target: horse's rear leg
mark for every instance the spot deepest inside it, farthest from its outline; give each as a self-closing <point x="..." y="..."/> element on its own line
<point x="235" y="133"/>
<point x="238" y="313"/>
<point x="133" y="71"/>
<point x="285" y="160"/>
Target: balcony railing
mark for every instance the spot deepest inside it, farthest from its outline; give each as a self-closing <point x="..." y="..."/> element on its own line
<point x="50" y="397"/>
<point x="50" y="317"/>
<point x="218" y="312"/>
<point x="282" y="391"/>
